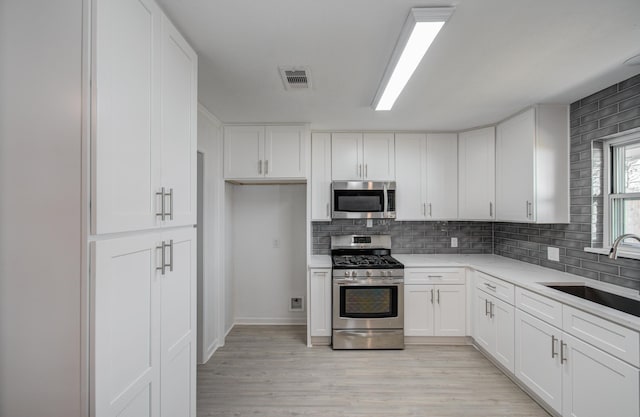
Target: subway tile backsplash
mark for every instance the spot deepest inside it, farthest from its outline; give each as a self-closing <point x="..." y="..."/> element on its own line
<point x="411" y="237"/>
<point x="611" y="110"/>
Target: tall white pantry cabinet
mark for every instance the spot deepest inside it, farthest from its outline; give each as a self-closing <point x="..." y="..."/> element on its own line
<point x="143" y="187"/>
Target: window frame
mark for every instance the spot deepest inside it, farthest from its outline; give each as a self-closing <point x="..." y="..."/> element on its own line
<point x="625" y="249"/>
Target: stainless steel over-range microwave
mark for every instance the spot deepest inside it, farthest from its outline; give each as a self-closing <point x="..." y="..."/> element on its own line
<point x="363" y="200"/>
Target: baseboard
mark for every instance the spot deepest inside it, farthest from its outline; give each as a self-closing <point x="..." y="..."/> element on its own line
<point x="270" y="321"/>
<point x="320" y="341"/>
<point x="437" y="340"/>
<point x="211" y="349"/>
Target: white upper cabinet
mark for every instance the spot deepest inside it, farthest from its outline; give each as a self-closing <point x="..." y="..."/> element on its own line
<point x="411" y="176"/>
<point x="178" y="133"/>
<point x="442" y="176"/>
<point x="321" y="177"/>
<point x="144" y="135"/>
<point x="532" y="166"/>
<point x="426" y="176"/>
<point x="125" y="150"/>
<point x="271" y="152"/>
<point x="362" y="157"/>
<point x="476" y="174"/>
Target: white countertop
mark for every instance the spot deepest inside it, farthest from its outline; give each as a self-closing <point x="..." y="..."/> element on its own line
<point x="522" y="274"/>
<point x="530" y="277"/>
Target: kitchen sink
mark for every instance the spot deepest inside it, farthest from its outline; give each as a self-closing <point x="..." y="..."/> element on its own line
<point x="617" y="302"/>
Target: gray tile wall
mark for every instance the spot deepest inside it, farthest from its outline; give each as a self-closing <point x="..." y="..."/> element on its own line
<point x="612" y="110"/>
<point x="411" y="237"/>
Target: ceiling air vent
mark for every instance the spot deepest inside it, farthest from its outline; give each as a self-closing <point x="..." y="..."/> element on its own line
<point x="295" y="78"/>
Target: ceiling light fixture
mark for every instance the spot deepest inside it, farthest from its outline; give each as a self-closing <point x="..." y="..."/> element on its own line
<point x="419" y="31"/>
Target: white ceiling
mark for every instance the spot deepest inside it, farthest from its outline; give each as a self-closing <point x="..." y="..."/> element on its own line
<point x="493" y="58"/>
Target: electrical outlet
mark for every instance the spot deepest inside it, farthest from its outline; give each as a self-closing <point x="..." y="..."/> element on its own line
<point x="553" y="254"/>
<point x="454" y="242"/>
<point x="296" y="304"/>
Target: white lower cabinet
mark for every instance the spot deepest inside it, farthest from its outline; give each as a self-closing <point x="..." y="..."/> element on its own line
<point x="434" y="310"/>
<point x="144" y="325"/>
<point x="493" y="328"/>
<point x="573" y="377"/>
<point x="320" y="302"/>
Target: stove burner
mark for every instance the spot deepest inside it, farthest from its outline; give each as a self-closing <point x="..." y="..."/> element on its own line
<point x="355" y="261"/>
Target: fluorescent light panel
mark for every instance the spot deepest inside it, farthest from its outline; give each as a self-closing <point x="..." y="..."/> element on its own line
<point x="419" y="31"/>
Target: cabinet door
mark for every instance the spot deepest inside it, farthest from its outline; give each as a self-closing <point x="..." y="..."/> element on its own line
<point x="178" y="319"/>
<point x="346" y="156"/>
<point x="515" y="139"/>
<point x="538" y="358"/>
<point x="321" y="177"/>
<point x="418" y="310"/>
<point x="379" y="157"/>
<point x="476" y="169"/>
<point x="503" y="321"/>
<point x="483" y="326"/>
<point x="285" y="152"/>
<point x="450" y="311"/>
<point x="178" y="132"/>
<point x="126" y="327"/>
<point x="243" y="152"/>
<point x="320" y="302"/>
<point x="442" y="176"/>
<point x="411" y="185"/>
<point x="125" y="149"/>
<point x="597" y="384"/>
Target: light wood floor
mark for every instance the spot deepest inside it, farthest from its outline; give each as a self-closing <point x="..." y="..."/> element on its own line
<point x="267" y="371"/>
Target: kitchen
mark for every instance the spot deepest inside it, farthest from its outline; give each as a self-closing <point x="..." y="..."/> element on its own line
<point x="52" y="302"/>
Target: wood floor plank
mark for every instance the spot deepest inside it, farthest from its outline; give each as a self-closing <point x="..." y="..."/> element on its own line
<point x="268" y="371"/>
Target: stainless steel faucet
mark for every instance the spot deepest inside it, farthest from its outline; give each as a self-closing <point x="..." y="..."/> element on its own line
<point x="614" y="249"/>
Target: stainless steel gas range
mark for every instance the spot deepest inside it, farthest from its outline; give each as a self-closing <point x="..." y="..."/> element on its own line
<point x="368" y="293"/>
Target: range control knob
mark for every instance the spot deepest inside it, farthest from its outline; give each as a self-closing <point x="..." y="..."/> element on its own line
<point x="354" y="273"/>
<point x="368" y="273"/>
<point x="346" y="274"/>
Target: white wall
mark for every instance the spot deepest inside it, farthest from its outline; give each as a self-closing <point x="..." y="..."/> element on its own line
<point x="41" y="241"/>
<point x="228" y="258"/>
<point x="211" y="301"/>
<point x="269" y="252"/>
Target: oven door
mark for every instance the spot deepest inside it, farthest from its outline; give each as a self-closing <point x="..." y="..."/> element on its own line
<point x="368" y="304"/>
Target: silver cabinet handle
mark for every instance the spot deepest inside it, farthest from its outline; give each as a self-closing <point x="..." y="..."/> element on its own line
<point x="359" y="170"/>
<point x="161" y="194"/>
<point x="553" y="346"/>
<point x="486" y="307"/>
<point x="260" y="167"/>
<point x="327" y="209"/>
<point x="266" y="167"/>
<point x="170" y="194"/>
<point x="424" y="209"/>
<point x="563" y="358"/>
<point x="434" y="276"/>
<point x="438" y="291"/>
<point x="429" y="209"/>
<point x="162" y="264"/>
<point x="171" y="255"/>
<point x="491" y="305"/>
<point x="529" y="210"/>
<point x="491" y="287"/>
<point x="490" y="209"/>
<point x="366" y="170"/>
<point x="432" y="296"/>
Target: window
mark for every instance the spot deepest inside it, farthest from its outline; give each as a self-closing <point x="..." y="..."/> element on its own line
<point x="622" y="199"/>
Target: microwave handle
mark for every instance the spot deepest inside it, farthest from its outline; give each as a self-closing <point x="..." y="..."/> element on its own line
<point x="386" y="199"/>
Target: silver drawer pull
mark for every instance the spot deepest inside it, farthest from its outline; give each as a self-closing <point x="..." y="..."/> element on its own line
<point x="492" y="287"/>
<point x="491" y="305"/>
<point x="486" y="307"/>
<point x="434" y="276"/>
<point x="563" y="358"/>
<point x="553" y="346"/>
<point x="432" y="296"/>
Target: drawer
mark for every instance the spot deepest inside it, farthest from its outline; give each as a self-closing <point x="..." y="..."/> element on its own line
<point x="614" y="339"/>
<point x="494" y="286"/>
<point x="434" y="275"/>
<point x="539" y="306"/>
